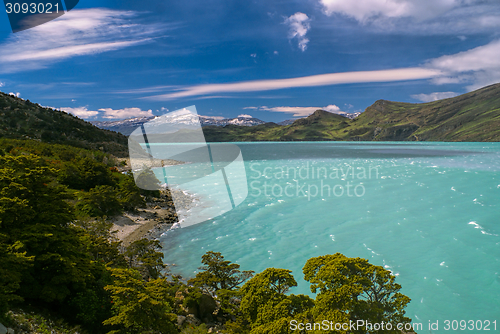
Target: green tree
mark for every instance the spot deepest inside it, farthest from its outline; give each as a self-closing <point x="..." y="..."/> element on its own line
<point x="98" y="202"/>
<point x="85" y="174"/>
<point x="101" y="244"/>
<point x="145" y="256"/>
<point x="353" y="289"/>
<point x="219" y="274"/>
<point x="34" y="213"/>
<point x="14" y="262"/>
<point x="266" y="307"/>
<point x="140" y="306"/>
<point x="129" y="194"/>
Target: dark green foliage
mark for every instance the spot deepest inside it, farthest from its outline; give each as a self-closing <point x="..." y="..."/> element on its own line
<point x="145" y="256"/>
<point x="98" y="202"/>
<point x="129" y="194"/>
<point x="91" y="305"/>
<point x="140" y="306"/>
<point x="15" y="260"/>
<point x="85" y="174"/>
<point x="35" y="215"/>
<point x="101" y="244"/>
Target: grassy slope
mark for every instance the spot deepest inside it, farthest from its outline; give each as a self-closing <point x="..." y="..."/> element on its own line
<point x="23" y="119"/>
<point x="473" y="116"/>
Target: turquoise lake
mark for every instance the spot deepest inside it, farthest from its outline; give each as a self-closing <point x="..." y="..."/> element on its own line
<point x="429" y="212"/>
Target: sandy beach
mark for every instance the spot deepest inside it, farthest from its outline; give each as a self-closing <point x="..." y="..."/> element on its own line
<point x="158" y="216"/>
<point x="149" y="223"/>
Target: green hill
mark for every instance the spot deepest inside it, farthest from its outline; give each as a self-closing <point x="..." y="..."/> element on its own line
<point x="474" y="116"/>
<point x="22" y="119"/>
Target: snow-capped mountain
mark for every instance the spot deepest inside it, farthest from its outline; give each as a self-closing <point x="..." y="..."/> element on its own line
<point x="244" y="121"/>
<point x="348" y="114"/>
<point x="127" y="126"/>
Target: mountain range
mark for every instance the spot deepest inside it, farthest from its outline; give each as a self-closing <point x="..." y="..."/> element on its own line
<point x="474" y="116"/>
<point x="127" y="126"/>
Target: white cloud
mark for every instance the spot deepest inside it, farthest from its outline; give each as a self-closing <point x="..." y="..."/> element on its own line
<point x="480" y="58"/>
<point x="300" y="111"/>
<point x="109" y="113"/>
<point x="77" y="33"/>
<point x="479" y="66"/>
<point x="15" y="94"/>
<point x="276" y="52"/>
<point x="253" y="55"/>
<point x="2" y="84"/>
<point x="299" y="24"/>
<point x="421" y="16"/>
<point x="81" y="112"/>
<point x="434" y="96"/>
<point x="245" y="116"/>
<point x="364" y="10"/>
<point x="331" y="108"/>
<point x="125" y="113"/>
<point x="402" y="74"/>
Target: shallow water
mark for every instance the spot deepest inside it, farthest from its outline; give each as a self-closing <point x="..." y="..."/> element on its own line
<point x="429" y="212"/>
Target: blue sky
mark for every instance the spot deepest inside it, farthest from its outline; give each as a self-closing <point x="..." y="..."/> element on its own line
<point x="274" y="60"/>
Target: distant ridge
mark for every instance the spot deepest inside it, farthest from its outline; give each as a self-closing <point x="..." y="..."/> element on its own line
<point x="474" y="116"/>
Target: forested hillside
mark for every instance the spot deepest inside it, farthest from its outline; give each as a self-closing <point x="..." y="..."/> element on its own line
<point x="23" y="119"/>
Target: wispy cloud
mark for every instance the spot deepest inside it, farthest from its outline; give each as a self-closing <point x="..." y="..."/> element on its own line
<point x="364" y="10"/>
<point x="299" y="25"/>
<point x="308" y="81"/>
<point x="434" y="96"/>
<point x="299" y="111"/>
<point x="478" y="67"/>
<point x="2" y="84"/>
<point x="81" y="112"/>
<point x="125" y="113"/>
<point x="77" y="33"/>
<point x="245" y="115"/>
<point x="420" y="16"/>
